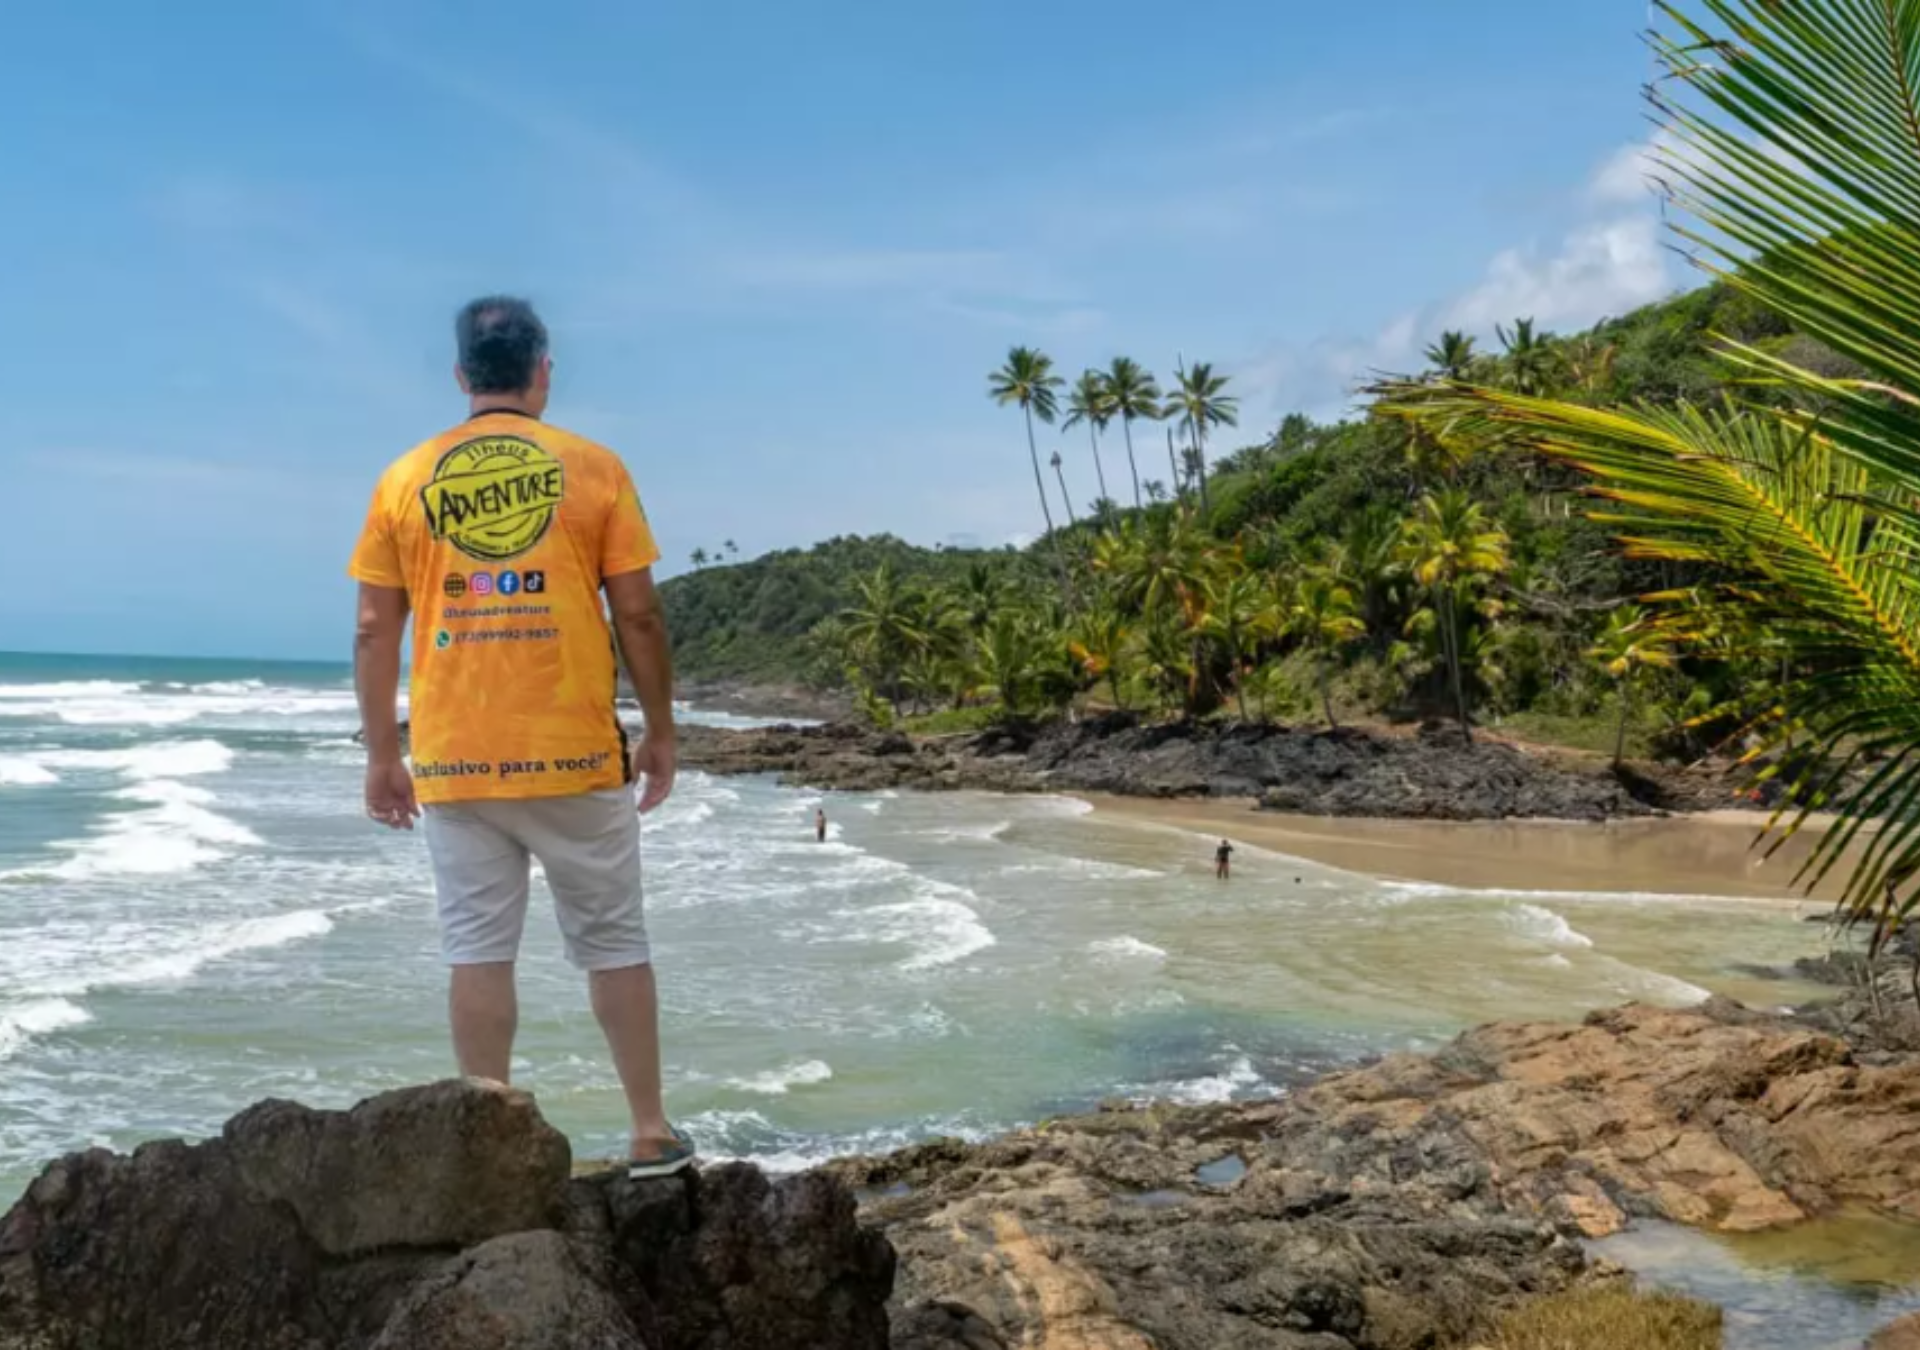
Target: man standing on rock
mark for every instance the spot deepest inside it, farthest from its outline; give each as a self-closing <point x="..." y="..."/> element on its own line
<point x="499" y="536"/>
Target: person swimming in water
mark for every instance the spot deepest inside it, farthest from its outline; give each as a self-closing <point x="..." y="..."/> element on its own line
<point x="820" y="826"/>
<point x="1223" y="861"/>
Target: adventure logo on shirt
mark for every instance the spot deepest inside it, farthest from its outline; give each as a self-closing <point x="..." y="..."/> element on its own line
<point x="494" y="497"/>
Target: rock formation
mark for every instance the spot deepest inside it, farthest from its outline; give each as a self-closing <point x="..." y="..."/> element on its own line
<point x="1395" y="1206"/>
<point x="435" y="1218"/>
<point x="1432" y="775"/>
<point x="1398" y="1206"/>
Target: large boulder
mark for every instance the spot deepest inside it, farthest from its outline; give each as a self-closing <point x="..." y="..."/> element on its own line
<point x="528" y="1291"/>
<point x="442" y="1166"/>
<point x="436" y="1218"/>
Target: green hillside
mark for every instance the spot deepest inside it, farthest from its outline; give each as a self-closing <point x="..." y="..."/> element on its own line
<point x="749" y="621"/>
<point x="1293" y="495"/>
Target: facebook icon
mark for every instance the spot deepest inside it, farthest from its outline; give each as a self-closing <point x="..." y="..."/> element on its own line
<point x="509" y="583"/>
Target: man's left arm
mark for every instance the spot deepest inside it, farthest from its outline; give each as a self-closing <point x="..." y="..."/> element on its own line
<point x="627" y="555"/>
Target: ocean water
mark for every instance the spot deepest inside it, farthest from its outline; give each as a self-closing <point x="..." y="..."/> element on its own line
<point x="194" y="915"/>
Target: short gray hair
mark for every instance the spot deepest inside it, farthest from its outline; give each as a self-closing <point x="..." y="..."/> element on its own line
<point x="501" y="341"/>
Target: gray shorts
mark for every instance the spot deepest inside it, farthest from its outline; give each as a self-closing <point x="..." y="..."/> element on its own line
<point x="589" y="847"/>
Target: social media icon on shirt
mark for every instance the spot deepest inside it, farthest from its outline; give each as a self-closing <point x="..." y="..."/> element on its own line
<point x="481" y="583"/>
<point x="535" y="583"/>
<point x="509" y="583"/>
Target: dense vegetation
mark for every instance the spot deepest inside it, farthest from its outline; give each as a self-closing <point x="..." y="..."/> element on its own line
<point x="1362" y="569"/>
<point x="749" y="621"/>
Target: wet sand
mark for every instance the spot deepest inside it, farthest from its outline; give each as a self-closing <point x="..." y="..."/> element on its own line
<point x="1706" y="855"/>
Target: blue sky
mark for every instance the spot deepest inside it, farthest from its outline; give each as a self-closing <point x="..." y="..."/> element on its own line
<point x="779" y="246"/>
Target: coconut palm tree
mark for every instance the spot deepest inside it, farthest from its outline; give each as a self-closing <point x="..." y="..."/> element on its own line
<point x="1028" y="380"/>
<point x="1323" y="617"/>
<point x="1450" y="549"/>
<point x="1090" y="402"/>
<point x="1627" y="645"/>
<point x="1201" y="402"/>
<point x="1452" y="356"/>
<point x="1097" y="639"/>
<point x="1131" y="393"/>
<point x="699" y="557"/>
<point x="1240" y="615"/>
<point x="1530" y="358"/>
<point x="883" y="627"/>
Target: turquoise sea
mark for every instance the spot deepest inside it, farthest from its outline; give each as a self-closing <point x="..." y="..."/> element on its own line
<point x="194" y="915"/>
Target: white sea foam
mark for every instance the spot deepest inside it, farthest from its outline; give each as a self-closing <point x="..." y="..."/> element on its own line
<point x="218" y="944"/>
<point x="939" y="923"/>
<point x="1545" y="926"/>
<point x="1238" y="1080"/>
<point x="68" y="689"/>
<point x="1637" y="982"/>
<point x="175" y="829"/>
<point x="1127" y="948"/>
<point x="779" y="1082"/>
<point x="161" y="759"/>
<point x="1420" y="890"/>
<point x="110" y="703"/>
<point x="957" y="834"/>
<point x="124" y="956"/>
<point x="231" y="688"/>
<point x="22" y="1022"/>
<point x="1085" y="867"/>
<point x="25" y="771"/>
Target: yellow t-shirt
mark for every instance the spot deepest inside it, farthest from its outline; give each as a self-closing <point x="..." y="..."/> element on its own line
<point x="501" y="532"/>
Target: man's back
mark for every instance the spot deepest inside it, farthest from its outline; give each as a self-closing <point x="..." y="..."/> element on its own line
<point x="501" y="531"/>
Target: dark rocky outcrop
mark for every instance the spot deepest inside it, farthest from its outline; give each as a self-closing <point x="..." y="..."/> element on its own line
<point x="436" y="1218"/>
<point x="1433" y="774"/>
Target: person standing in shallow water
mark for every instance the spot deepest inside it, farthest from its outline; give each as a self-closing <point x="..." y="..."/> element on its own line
<point x="820" y="826"/>
<point x="500" y="536"/>
<point x="1223" y="861"/>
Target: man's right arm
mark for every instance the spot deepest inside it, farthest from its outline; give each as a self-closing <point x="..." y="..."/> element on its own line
<point x="642" y="629"/>
<point x="380" y="629"/>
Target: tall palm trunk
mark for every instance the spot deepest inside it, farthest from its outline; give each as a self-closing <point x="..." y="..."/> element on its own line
<point x="1626" y="708"/>
<point x="1200" y="464"/>
<point x="1126" y="424"/>
<point x="1173" y="467"/>
<point x="1450" y="648"/>
<point x="1099" y="471"/>
<point x="1326" y="690"/>
<point x="1060" y="472"/>
<point x="1046" y="511"/>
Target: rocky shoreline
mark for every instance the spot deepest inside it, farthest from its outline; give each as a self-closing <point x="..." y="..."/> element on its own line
<point x="1394" y="1206"/>
<point x="1431" y="774"/>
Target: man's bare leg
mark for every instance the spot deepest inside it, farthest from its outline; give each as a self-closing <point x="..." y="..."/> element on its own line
<point x="485" y="1011"/>
<point x="628" y="1005"/>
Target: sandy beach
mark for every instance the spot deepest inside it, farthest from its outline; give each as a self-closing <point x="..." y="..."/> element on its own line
<point x="1711" y="854"/>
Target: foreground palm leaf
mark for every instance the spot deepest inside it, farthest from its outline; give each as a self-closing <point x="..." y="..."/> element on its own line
<point x="1793" y="150"/>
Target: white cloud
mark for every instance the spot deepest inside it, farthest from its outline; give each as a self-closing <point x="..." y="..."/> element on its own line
<point x="1612" y="261"/>
<point x="1627" y="176"/>
<point x="1598" y="270"/>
